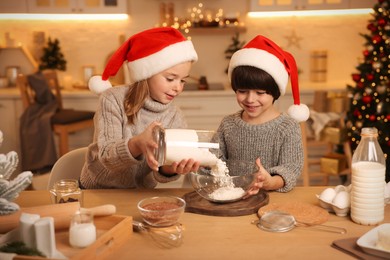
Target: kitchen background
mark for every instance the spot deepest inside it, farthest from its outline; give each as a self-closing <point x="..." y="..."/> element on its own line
<point x="89" y="43"/>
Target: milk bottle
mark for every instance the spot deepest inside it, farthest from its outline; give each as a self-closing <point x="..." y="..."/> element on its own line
<point x="368" y="180"/>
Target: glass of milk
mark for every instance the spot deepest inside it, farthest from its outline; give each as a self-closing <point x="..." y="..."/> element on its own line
<point x="82" y="230"/>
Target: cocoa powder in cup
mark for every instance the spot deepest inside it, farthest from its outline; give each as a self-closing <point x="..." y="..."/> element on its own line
<point x="161" y="212"/>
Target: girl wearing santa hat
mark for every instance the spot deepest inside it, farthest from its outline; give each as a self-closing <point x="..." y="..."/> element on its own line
<point x="122" y="152"/>
<point x="259" y="74"/>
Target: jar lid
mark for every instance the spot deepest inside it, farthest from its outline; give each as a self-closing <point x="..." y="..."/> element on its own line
<point x="66" y="185"/>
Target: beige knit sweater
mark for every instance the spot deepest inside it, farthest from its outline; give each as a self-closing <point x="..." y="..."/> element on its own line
<point x="109" y="163"/>
<point x="278" y="144"/>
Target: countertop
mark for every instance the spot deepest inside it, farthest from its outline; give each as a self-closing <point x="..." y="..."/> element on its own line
<point x="213" y="237"/>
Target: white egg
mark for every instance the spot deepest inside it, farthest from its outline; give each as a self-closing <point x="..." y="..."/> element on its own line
<point x="328" y="195"/>
<point x="342" y="200"/>
<point x="339" y="188"/>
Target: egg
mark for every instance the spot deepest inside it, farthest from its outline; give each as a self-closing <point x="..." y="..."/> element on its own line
<point x="339" y="188"/>
<point x="342" y="200"/>
<point x="328" y="195"/>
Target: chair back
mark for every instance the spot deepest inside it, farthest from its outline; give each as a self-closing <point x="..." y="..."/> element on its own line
<point x="28" y="94"/>
<point x="68" y="166"/>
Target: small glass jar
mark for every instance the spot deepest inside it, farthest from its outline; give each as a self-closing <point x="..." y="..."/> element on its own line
<point x="82" y="230"/>
<point x="175" y="145"/>
<point x="66" y="190"/>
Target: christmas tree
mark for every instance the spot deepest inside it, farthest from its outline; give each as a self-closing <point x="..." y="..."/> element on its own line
<point x="233" y="47"/>
<point x="52" y="57"/>
<point x="370" y="96"/>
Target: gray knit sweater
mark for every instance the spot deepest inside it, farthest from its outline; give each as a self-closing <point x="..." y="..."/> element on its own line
<point x="278" y="144"/>
<point x="109" y="163"/>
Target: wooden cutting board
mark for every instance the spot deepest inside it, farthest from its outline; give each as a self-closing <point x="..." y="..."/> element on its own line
<point x="197" y="204"/>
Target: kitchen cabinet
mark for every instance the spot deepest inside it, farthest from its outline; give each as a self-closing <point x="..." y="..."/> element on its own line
<point x="9" y="125"/>
<point x="78" y="6"/>
<point x="362" y="3"/>
<point x="10" y="111"/>
<point x="19" y="57"/>
<point x="13" y="6"/>
<point x="204" y="110"/>
<point x="297" y="5"/>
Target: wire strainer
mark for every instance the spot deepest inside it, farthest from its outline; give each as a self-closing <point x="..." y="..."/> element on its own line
<point x="279" y="221"/>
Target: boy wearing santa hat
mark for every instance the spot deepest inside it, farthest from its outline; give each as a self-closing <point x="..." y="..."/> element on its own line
<point x="122" y="152"/>
<point x="259" y="74"/>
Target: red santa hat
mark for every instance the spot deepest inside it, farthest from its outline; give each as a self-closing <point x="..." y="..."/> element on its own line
<point x="147" y="53"/>
<point x="264" y="54"/>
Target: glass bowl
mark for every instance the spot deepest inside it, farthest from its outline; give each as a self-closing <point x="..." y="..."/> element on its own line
<point x="161" y="211"/>
<point x="221" y="188"/>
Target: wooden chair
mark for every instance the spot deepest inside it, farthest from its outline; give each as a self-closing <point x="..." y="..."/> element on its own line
<point x="65" y="121"/>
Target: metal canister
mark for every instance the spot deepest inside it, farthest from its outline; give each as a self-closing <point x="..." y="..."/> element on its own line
<point x="175" y="145"/>
<point x="12" y="73"/>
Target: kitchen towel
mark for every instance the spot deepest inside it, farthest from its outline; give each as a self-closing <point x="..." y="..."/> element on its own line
<point x="349" y="246"/>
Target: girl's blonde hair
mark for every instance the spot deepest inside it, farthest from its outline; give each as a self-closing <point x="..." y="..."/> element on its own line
<point x="135" y="99"/>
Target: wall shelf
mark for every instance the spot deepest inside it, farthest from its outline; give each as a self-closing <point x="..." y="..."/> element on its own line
<point x="214" y="30"/>
<point x="19" y="57"/>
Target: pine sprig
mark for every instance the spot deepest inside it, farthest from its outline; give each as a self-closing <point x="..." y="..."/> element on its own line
<point x="20" y="248"/>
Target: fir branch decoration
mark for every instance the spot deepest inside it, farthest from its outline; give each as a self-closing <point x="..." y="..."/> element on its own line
<point x="52" y="57"/>
<point x="233" y="47"/>
<point x="10" y="189"/>
<point x="20" y="248"/>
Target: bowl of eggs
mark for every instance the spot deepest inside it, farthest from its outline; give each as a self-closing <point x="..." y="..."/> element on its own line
<point x="336" y="200"/>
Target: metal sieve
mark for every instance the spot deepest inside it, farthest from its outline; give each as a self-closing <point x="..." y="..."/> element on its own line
<point x="279" y="221"/>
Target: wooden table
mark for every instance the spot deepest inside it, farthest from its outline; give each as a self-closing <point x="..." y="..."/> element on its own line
<point x="211" y="237"/>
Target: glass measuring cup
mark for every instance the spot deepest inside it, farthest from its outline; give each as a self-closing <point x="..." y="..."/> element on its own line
<point x="279" y="221"/>
<point x="177" y="144"/>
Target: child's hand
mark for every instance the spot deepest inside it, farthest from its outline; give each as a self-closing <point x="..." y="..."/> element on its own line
<point x="262" y="180"/>
<point x="144" y="144"/>
<point x="182" y="167"/>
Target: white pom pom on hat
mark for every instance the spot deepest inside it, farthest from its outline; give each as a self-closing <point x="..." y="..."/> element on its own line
<point x="97" y="85"/>
<point x="147" y="53"/>
<point x="264" y="54"/>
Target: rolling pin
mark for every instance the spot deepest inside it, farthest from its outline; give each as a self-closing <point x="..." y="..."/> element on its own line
<point x="61" y="213"/>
